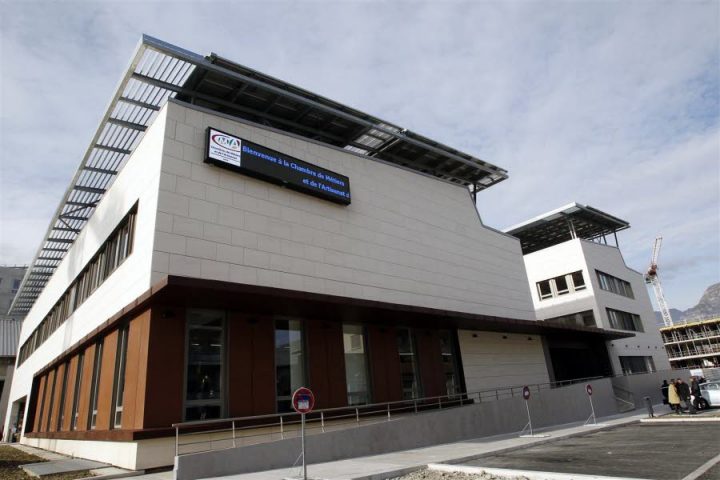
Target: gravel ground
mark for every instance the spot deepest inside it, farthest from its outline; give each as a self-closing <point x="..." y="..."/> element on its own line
<point x="435" y="475"/>
<point x="11" y="458"/>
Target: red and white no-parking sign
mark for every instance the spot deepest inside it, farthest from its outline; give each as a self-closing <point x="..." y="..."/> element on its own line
<point x="588" y="389"/>
<point x="526" y="392"/>
<point x="303" y="400"/>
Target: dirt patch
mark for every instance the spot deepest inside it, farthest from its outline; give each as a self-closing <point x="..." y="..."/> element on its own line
<point x="436" y="475"/>
<point x="11" y="459"/>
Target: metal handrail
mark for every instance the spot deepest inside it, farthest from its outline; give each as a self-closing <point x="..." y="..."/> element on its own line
<point x="337" y="416"/>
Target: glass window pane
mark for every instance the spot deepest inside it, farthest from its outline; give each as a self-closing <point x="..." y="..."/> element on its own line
<point x="544" y="289"/>
<point x="289" y="361"/>
<point x="204" y="391"/>
<point x="578" y="280"/>
<point x="356" y="365"/>
<point x="408" y="364"/>
<point x="449" y="362"/>
<point x="562" y="285"/>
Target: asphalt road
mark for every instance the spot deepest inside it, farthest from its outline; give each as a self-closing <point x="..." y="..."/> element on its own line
<point x="647" y="451"/>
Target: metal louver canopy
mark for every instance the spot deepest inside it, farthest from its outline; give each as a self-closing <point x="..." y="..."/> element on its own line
<point x="159" y="71"/>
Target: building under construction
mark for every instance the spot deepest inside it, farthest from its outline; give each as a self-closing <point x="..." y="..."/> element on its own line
<point x="694" y="344"/>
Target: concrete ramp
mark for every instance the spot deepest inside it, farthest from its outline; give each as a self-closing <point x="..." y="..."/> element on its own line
<point x="549" y="407"/>
<point x="61" y="466"/>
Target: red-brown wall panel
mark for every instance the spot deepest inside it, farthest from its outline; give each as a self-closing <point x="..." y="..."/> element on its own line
<point x="59" y="388"/>
<point x="85" y="385"/>
<point x="240" y="333"/>
<point x="430" y="362"/>
<point x="384" y="364"/>
<point x="69" y="392"/>
<point x="263" y="366"/>
<point x="105" y="388"/>
<point x="326" y="363"/>
<point x="136" y="372"/>
<point x="165" y="368"/>
<point x="39" y="404"/>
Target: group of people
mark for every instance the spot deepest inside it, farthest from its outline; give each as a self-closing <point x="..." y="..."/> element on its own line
<point x="677" y="392"/>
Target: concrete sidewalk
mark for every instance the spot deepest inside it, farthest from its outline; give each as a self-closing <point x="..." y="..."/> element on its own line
<point x="397" y="463"/>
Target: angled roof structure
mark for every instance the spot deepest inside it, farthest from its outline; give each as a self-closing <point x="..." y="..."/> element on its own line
<point x="565" y="223"/>
<point x="159" y="71"/>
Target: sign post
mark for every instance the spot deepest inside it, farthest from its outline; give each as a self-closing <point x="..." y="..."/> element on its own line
<point x="528" y="426"/>
<point x="303" y="401"/>
<point x="592" y="420"/>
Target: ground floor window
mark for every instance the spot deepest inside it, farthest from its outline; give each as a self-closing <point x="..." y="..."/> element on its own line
<point x="289" y="361"/>
<point x="204" y="384"/>
<point x="356" y="364"/>
<point x="631" y="365"/>
<point x="410" y="376"/>
<point x="451" y="370"/>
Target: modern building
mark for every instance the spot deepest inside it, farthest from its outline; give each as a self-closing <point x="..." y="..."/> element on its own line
<point x="10" y="280"/>
<point x="578" y="276"/>
<point x="693" y="344"/>
<point x="229" y="237"/>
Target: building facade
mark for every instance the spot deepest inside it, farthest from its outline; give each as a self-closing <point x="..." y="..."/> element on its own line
<point x="229" y="261"/>
<point x="577" y="277"/>
<point x="693" y="344"/>
<point x="10" y="280"/>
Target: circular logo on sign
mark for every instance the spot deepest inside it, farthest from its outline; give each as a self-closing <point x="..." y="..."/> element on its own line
<point x="303" y="400"/>
<point x="588" y="389"/>
<point x="225" y="141"/>
<point x="526" y="392"/>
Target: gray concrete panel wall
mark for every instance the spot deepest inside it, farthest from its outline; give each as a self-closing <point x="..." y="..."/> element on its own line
<point x="547" y="407"/>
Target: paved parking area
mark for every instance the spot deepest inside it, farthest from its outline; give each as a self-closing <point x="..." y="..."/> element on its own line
<point x="667" y="451"/>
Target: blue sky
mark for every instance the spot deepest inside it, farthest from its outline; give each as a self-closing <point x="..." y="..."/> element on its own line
<point x="610" y="104"/>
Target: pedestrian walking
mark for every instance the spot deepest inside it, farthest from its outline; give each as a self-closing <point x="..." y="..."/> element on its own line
<point x="695" y="392"/>
<point x="683" y="390"/>
<point x="673" y="396"/>
<point x="664" y="390"/>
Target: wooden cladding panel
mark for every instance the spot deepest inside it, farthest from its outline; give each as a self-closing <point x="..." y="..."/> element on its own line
<point x="326" y="363"/>
<point x="39" y="404"/>
<point x="136" y="372"/>
<point x="165" y="368"/>
<point x="251" y="364"/>
<point x="107" y="380"/>
<point x="429" y="353"/>
<point x="47" y="398"/>
<point x="59" y="389"/>
<point x="264" y="367"/>
<point x="69" y="393"/>
<point x="384" y="364"/>
<point x="85" y="386"/>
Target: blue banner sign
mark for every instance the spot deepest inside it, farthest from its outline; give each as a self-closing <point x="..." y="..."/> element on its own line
<point x="251" y="159"/>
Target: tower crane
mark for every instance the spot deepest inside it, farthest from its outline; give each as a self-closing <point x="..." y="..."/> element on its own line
<point x="652" y="278"/>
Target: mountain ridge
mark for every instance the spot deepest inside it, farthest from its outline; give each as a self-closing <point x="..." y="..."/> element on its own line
<point x="707" y="307"/>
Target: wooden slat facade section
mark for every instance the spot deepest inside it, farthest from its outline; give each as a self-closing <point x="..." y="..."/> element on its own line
<point x="39" y="404"/>
<point x="107" y="380"/>
<point x="59" y="388"/>
<point x="429" y="352"/>
<point x="384" y="364"/>
<point x="165" y="368"/>
<point x="136" y="372"/>
<point x="251" y="364"/>
<point x="70" y="393"/>
<point x="85" y="385"/>
<point x="49" y="392"/>
<point x="326" y="363"/>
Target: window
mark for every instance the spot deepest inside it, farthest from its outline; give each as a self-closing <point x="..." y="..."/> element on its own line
<point x="544" y="289"/>
<point x="110" y="255"/>
<point x="204" y="385"/>
<point x="614" y="284"/>
<point x="561" y="285"/>
<point x="15" y="285"/>
<point x="450" y="368"/>
<point x="76" y="394"/>
<point x="408" y="365"/>
<point x="582" y="319"/>
<point x="48" y="424"/>
<point x="632" y="364"/>
<point x="356" y="365"/>
<point x="624" y="320"/>
<point x="63" y="395"/>
<point x="95" y="386"/>
<point x="119" y="387"/>
<point x="289" y="361"/>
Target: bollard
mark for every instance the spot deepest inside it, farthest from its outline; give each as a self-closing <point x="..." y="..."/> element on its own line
<point x="648" y="405"/>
